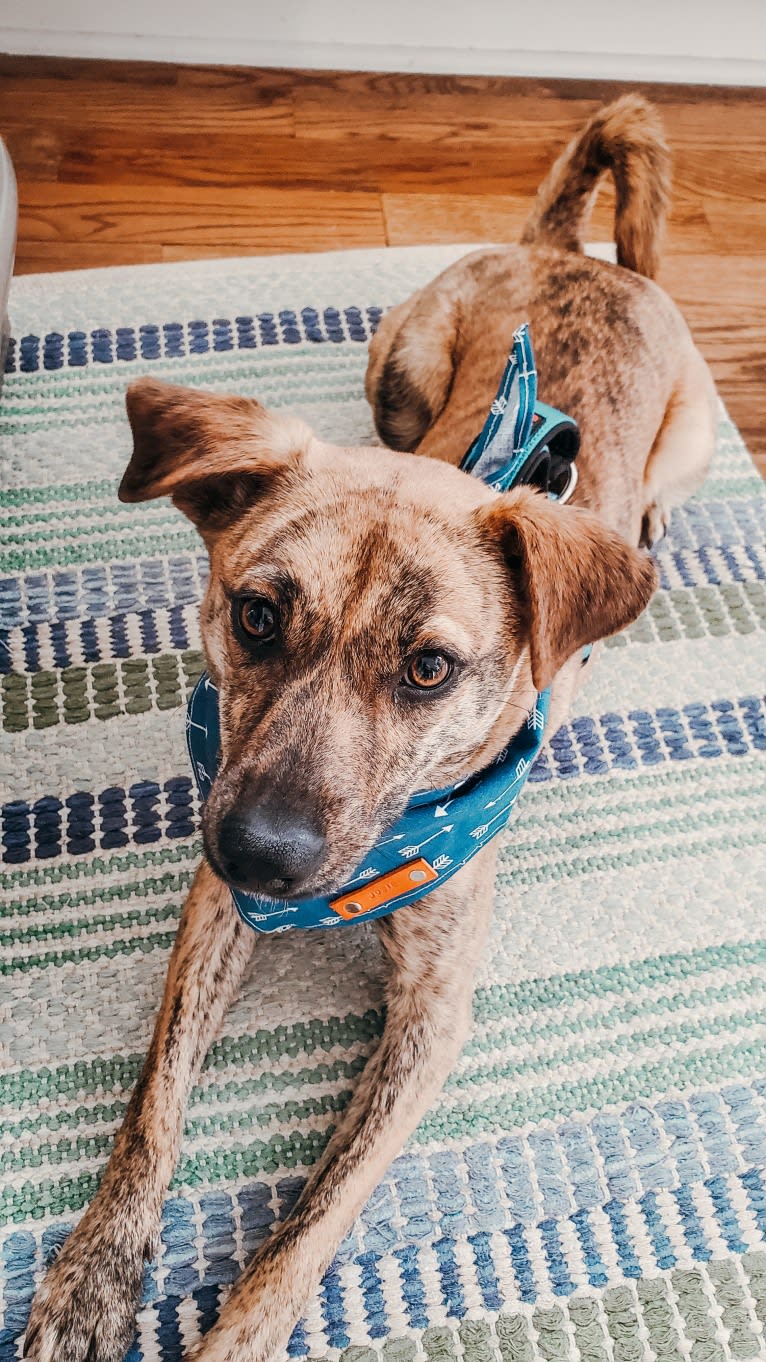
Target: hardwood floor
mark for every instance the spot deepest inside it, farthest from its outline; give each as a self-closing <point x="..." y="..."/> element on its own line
<point x="123" y="163"/>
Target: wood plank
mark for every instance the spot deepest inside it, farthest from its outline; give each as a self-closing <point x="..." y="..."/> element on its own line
<point x="374" y="164"/>
<point x="723" y="301"/>
<point x="731" y="177"/>
<point x="40" y="257"/>
<point x="433" y="219"/>
<point x="386" y="108"/>
<point x="171" y="253"/>
<point x="170" y="215"/>
<point x="437" y="218"/>
<point x="738" y="229"/>
<point x="145" y="97"/>
<point x="451" y="107"/>
<point x="35" y="152"/>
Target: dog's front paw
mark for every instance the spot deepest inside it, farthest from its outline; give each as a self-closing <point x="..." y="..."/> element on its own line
<point x="85" y="1307"/>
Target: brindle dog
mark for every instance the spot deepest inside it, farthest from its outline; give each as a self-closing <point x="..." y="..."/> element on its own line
<point x="377" y="612"/>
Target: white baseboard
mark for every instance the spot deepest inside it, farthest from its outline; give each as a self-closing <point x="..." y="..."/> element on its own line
<point x="242" y="51"/>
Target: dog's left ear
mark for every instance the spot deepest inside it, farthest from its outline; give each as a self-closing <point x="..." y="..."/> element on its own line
<point x="210" y="452"/>
<point x="577" y="580"/>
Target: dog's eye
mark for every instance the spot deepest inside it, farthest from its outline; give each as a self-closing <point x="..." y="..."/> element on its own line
<point x="427" y="671"/>
<point x="257" y="618"/>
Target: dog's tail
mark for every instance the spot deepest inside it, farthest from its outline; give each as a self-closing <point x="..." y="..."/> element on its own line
<point x="627" y="138"/>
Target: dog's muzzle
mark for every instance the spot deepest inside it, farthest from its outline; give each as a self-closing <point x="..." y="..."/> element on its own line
<point x="267" y="847"/>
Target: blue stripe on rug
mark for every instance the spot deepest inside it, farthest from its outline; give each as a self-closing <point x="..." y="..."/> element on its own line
<point x="101" y="589"/>
<point x="144" y="586"/>
<point x="677" y="1231"/>
<point x="146" y="811"/>
<point x="179" y="340"/>
<point x="139" y="815"/>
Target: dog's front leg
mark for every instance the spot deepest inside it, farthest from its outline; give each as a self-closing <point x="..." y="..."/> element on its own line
<point x="85" y="1307"/>
<point x="433" y="948"/>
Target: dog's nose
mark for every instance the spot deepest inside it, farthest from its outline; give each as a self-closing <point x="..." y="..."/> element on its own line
<point x="268" y="847"/>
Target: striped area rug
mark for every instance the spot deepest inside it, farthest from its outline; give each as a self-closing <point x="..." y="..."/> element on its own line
<point x="591" y="1185"/>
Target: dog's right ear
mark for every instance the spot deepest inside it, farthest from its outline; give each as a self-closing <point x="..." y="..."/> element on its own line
<point x="210" y="452"/>
<point x="575" y="580"/>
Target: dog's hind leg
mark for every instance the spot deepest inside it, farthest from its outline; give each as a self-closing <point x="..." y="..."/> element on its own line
<point x="410" y="367"/>
<point x="85" y="1307"/>
<point x="683" y="449"/>
<point x="433" y="947"/>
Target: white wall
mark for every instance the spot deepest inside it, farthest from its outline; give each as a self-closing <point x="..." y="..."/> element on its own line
<point x="695" y="40"/>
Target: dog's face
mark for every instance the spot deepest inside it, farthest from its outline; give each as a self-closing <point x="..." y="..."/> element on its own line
<point x="375" y="624"/>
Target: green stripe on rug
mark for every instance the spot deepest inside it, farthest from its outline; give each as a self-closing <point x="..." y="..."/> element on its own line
<point x="108" y="409"/>
<point x="521" y="876"/>
<point x="646" y="856"/>
<point x="125" y="946"/>
<point x="52" y="390"/>
<point x="93" y="489"/>
<point x="475" y="1116"/>
<point x="87" y="867"/>
<point x="473" y="1069"/>
<point x="491" y="1003"/>
<point x="100" y="690"/>
<point x="107" y="550"/>
<point x="47" y="528"/>
<point x="169" y="883"/>
<point x="104" y="690"/>
<point x="524" y="858"/>
<point x="84" y="927"/>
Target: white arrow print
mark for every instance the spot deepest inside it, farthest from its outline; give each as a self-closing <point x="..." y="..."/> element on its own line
<point x="414" y="850"/>
<point x="479" y="832"/>
<point x="441" y="809"/>
<point x="520" y="769"/>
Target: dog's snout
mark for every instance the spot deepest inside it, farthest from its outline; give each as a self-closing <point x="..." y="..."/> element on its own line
<point x="267" y="846"/>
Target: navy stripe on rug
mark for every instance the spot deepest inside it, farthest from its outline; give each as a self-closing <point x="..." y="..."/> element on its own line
<point x="180" y="340"/>
<point x="145" y="811"/>
<point x="713" y="548"/>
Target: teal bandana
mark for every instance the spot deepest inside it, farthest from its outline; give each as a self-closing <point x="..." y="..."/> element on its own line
<point x="439" y="831"/>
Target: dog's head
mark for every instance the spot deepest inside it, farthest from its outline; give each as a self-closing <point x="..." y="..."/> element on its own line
<point x="376" y="623"/>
